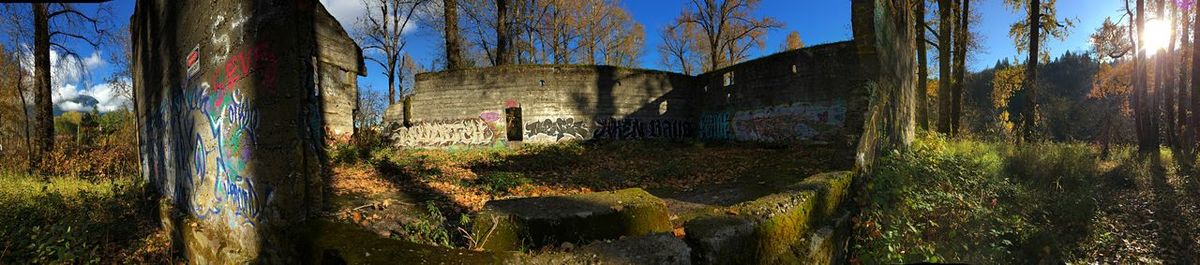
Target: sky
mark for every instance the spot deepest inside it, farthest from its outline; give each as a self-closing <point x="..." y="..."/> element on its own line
<point x="817" y="21"/>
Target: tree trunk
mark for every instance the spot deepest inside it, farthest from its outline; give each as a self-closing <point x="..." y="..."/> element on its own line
<point x="1029" y="118"/>
<point x="1142" y="117"/>
<point x="25" y="108"/>
<point x="1194" y="119"/>
<point x="922" y="68"/>
<point x="454" y="59"/>
<point x="41" y="82"/>
<point x="503" y="52"/>
<point x="392" y="83"/>
<point x="945" y="26"/>
<point x="960" y="72"/>
<point x="1181" y="86"/>
<point x="1170" y="91"/>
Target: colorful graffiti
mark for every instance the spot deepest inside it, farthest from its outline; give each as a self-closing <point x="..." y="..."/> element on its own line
<point x="557" y="130"/>
<point x="801" y="121"/>
<point x="206" y="135"/>
<point x="715" y="126"/>
<point x="634" y="129"/>
<point x="242" y="64"/>
<point x="446" y="133"/>
<point x="490" y="116"/>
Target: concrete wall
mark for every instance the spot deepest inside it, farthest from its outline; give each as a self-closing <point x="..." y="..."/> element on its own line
<point x="810" y="95"/>
<point x="556" y="103"/>
<point x="230" y="121"/>
<point x="341" y="62"/>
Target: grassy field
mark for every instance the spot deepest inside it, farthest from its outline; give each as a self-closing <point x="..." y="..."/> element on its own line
<point x="67" y="220"/>
<point x="992" y="203"/>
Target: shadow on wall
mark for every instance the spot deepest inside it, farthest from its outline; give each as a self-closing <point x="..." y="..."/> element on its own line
<point x="800" y="96"/>
<point x="231" y="124"/>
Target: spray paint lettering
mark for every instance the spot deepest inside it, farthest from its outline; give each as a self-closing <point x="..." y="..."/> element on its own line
<point x="445" y="133"/>
<point x="490" y="116"/>
<point x="715" y="126"/>
<point x="255" y="59"/>
<point x="634" y="129"/>
<point x="557" y="129"/>
<point x="792" y="122"/>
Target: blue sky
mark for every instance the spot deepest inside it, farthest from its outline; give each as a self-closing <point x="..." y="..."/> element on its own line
<point x="817" y="21"/>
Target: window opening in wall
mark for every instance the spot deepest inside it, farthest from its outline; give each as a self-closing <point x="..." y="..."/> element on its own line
<point x="542" y="82"/>
<point x="512" y="121"/>
<point x="729" y="79"/>
<point x="793" y="69"/>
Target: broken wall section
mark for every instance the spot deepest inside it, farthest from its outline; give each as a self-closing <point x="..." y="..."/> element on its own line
<point x="230" y="123"/>
<point x="814" y="95"/>
<point x="544" y="104"/>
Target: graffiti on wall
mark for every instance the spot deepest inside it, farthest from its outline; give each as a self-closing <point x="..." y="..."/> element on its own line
<point x="606" y="128"/>
<point x="200" y="140"/>
<point x="715" y="126"/>
<point x="634" y="129"/>
<point x="557" y="129"/>
<point x="446" y="133"/>
<point x="801" y="121"/>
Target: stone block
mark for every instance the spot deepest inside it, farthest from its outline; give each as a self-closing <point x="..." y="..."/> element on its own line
<point x="535" y="222"/>
<point x="781" y="228"/>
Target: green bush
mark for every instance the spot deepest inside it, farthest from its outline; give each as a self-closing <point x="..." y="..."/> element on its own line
<point x="66" y="220"/>
<point x="501" y="182"/>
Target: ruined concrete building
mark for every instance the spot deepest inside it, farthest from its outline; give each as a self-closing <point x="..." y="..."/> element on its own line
<point x="234" y="100"/>
<point x="811" y="95"/>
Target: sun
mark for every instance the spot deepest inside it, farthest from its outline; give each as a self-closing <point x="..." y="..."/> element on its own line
<point x="1157" y="35"/>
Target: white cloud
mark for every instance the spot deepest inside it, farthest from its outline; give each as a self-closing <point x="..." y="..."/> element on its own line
<point x="94" y="61"/>
<point x="348" y="13"/>
<point x="70" y="106"/>
<point x="62" y="93"/>
<point x="107" y="97"/>
<point x="345" y="11"/>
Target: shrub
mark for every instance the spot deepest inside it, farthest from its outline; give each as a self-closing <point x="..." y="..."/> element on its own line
<point x="501" y="182"/>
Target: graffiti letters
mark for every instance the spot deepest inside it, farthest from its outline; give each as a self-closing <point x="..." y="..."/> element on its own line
<point x="632" y="129"/>
<point x="715" y="126"/>
<point x="792" y="122"/>
<point x="490" y="116"/>
<point x="255" y="59"/>
<point x="445" y="133"/>
<point x="558" y="129"/>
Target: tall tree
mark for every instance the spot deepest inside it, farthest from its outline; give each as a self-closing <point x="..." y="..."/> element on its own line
<point x="1029" y="34"/>
<point x="960" y="65"/>
<point x="727" y="29"/>
<point x="382" y="33"/>
<point x="1194" y="119"/>
<point x="1147" y="135"/>
<point x="503" y="34"/>
<point x="44" y="127"/>
<point x="679" y="48"/>
<point x="793" y="41"/>
<point x="922" y="66"/>
<point x="945" y="54"/>
<point x="454" y="59"/>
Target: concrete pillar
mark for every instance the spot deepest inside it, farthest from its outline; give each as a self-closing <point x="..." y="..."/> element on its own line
<point x="230" y="123"/>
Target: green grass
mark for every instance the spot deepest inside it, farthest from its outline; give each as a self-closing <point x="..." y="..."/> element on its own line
<point x="979" y="202"/>
<point x="68" y="220"/>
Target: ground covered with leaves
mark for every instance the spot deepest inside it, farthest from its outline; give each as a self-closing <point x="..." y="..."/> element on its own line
<point x="428" y="195"/>
<point x="992" y="203"/>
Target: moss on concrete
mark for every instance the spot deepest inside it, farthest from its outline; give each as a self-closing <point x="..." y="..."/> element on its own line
<point x="334" y="243"/>
<point x="782" y="225"/>
<point x="524" y="223"/>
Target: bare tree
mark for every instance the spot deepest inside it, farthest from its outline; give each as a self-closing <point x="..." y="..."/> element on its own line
<point x="727" y="29"/>
<point x="52" y="26"/>
<point x="382" y="32"/>
<point x="679" y="49"/>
